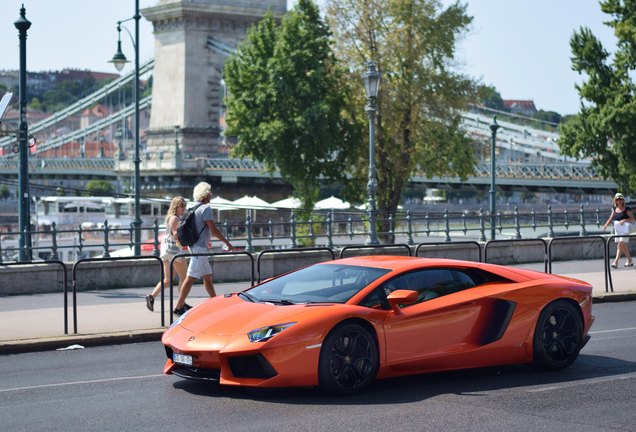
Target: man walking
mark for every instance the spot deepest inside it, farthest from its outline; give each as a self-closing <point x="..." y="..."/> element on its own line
<point x="199" y="267"/>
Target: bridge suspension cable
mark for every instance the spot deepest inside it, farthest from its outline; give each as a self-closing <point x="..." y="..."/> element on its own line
<point x="82" y="104"/>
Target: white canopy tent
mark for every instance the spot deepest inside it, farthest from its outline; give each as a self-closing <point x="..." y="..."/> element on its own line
<point x="332" y="203"/>
<point x="287" y="203"/>
<point x="251" y="204"/>
<point x="219" y="204"/>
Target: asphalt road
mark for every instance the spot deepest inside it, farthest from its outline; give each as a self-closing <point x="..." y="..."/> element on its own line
<point x="116" y="388"/>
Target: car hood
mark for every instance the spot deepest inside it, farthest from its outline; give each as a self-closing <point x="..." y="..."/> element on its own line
<point x="226" y="316"/>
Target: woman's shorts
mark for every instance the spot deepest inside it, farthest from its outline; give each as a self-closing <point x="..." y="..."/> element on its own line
<point x="167" y="258"/>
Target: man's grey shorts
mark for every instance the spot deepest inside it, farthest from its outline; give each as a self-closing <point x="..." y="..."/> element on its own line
<point x="199" y="265"/>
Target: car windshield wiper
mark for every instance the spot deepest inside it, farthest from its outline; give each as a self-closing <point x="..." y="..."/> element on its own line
<point x="247" y="296"/>
<point x="284" y="302"/>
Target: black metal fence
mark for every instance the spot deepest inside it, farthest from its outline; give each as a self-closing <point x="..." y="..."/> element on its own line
<point x="326" y="229"/>
<point x="545" y="244"/>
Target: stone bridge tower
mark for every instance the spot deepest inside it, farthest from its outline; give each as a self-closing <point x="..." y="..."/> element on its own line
<point x="192" y="40"/>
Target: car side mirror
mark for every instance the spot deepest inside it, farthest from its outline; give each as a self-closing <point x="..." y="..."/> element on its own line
<point x="400" y="297"/>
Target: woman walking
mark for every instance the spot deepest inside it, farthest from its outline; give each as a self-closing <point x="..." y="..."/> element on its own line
<point x="169" y="248"/>
<point x="621" y="217"/>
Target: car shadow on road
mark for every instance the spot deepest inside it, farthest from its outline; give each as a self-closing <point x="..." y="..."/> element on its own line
<point x="413" y="388"/>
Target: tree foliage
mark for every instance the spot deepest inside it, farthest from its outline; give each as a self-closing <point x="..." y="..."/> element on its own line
<point x="99" y="188"/>
<point x="284" y="103"/>
<point x="490" y="97"/>
<point x="605" y="127"/>
<point x="413" y="43"/>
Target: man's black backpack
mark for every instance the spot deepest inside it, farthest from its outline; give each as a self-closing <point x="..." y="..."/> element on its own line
<point x="187" y="230"/>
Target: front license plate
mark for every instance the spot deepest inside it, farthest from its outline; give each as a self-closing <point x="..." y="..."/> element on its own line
<point x="182" y="359"/>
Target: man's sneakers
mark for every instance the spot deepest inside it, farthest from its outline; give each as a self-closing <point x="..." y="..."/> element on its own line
<point x="183" y="309"/>
<point x="150" y="303"/>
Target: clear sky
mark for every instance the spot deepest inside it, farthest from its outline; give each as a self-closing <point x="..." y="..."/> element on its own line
<point x="519" y="46"/>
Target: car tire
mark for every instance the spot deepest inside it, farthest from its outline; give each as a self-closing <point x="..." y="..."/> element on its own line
<point x="349" y="360"/>
<point x="558" y="336"/>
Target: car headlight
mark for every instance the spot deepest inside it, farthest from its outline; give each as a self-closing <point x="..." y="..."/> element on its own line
<point x="266" y="333"/>
<point x="178" y="320"/>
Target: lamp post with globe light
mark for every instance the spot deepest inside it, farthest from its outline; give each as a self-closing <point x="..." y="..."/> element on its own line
<point x="24" y="210"/>
<point x="119" y="61"/>
<point x="371" y="81"/>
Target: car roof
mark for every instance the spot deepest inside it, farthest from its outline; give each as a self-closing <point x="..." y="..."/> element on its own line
<point x="403" y="262"/>
<point x="406" y="263"/>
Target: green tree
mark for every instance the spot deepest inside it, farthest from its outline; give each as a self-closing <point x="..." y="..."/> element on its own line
<point x="99" y="187"/>
<point x="284" y="104"/>
<point x="605" y="127"/>
<point x="413" y="43"/>
<point x="490" y="97"/>
<point x="35" y="104"/>
<point x="4" y="192"/>
<point x="67" y="92"/>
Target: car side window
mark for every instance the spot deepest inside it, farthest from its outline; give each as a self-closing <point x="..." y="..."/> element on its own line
<point x="429" y="284"/>
<point x="433" y="283"/>
<point x="376" y="300"/>
<point x="462" y="280"/>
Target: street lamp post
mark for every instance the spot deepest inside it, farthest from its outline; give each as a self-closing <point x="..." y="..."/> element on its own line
<point x="371" y="81"/>
<point x="119" y="60"/>
<point x="493" y="129"/>
<point x="24" y="211"/>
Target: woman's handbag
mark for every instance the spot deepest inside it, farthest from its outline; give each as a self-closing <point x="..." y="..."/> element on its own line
<point x="169" y="246"/>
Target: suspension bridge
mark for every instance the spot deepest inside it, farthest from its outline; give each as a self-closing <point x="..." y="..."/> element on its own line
<point x="181" y="139"/>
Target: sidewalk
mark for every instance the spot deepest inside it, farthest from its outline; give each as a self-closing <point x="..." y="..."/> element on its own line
<point x="36" y="322"/>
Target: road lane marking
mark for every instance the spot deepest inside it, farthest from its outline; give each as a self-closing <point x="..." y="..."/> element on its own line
<point x="613" y="330"/>
<point x="103" y="380"/>
<point x="582" y="382"/>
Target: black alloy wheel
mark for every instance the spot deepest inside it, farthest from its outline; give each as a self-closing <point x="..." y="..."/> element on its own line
<point x="348" y="359"/>
<point x="558" y="336"/>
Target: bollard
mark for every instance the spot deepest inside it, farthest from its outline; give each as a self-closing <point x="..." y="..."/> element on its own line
<point x="330" y="229"/>
<point x="80" y="246"/>
<point x="409" y="227"/>
<point x="155" y="232"/>
<point x="533" y="215"/>
<point x="131" y="235"/>
<point x="248" y="228"/>
<point x="310" y="222"/>
<point x="598" y="221"/>
<point x="54" y="254"/>
<point x="292" y="227"/>
<point x="583" y="231"/>
<point x="446" y="226"/>
<point x="465" y="229"/>
<point x="499" y="223"/>
<point x="482" y="225"/>
<point x="517" y="224"/>
<point x="106" y="244"/>
<point x="270" y="231"/>
<point x="428" y="224"/>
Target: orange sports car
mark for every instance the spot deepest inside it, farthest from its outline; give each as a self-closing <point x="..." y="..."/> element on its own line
<point x="341" y="324"/>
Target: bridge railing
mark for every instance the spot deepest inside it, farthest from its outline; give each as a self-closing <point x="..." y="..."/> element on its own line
<point x="326" y="228"/>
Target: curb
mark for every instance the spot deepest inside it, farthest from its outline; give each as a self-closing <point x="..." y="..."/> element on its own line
<point x="154" y="335"/>
<point x="613" y="297"/>
<point x="91" y="340"/>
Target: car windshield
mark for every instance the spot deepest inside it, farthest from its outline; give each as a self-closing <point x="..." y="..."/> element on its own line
<point x="321" y="283"/>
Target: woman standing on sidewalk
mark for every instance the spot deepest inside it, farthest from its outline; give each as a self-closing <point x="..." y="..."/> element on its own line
<point x="622" y="217"/>
<point x="169" y="248"/>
